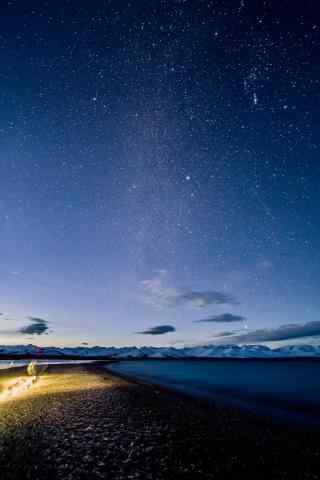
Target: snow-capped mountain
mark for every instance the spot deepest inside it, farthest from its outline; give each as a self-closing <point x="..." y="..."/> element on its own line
<point x="206" y="351"/>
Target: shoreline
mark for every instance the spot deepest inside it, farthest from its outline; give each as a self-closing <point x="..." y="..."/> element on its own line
<point x="290" y="416"/>
<point x="198" y="401"/>
<point x="220" y="402"/>
<point x="84" y="422"/>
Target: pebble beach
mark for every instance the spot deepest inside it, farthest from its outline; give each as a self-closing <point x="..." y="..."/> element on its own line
<point x="81" y="422"/>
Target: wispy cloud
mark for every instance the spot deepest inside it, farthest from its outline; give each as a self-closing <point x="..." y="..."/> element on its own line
<point x="283" y="332"/>
<point x="158" y="330"/>
<point x="223" y="318"/>
<point x="227" y="333"/>
<point x="158" y="294"/>
<point x="38" y="326"/>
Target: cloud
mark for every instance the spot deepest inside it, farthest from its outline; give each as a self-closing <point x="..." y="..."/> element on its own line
<point x="157" y="294"/>
<point x="36" y="319"/>
<point x="38" y="326"/>
<point x="283" y="332"/>
<point x="158" y="330"/>
<point x="202" y="299"/>
<point x="223" y="318"/>
<point x="227" y="333"/>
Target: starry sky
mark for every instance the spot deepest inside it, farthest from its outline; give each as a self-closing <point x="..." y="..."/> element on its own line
<point x="159" y="172"/>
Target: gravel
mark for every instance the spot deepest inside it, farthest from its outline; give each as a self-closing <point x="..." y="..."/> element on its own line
<point x="82" y="423"/>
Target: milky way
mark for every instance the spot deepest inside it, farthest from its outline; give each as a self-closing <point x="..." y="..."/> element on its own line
<point x="172" y="144"/>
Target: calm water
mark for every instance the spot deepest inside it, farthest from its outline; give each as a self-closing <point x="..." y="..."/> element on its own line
<point x="286" y="390"/>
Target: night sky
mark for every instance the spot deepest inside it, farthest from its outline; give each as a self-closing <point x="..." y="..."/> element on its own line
<point x="159" y="172"/>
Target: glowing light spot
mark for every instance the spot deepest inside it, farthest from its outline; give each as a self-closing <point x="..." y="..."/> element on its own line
<point x="18" y="387"/>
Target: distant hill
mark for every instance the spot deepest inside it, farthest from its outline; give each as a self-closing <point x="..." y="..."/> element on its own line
<point x="207" y="351"/>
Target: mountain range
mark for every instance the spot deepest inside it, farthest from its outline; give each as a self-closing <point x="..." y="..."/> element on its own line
<point x="207" y="351"/>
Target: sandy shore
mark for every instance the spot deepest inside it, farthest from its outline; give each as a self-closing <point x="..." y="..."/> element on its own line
<point x="79" y="422"/>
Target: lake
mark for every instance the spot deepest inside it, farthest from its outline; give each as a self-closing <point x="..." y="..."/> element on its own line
<point x="286" y="390"/>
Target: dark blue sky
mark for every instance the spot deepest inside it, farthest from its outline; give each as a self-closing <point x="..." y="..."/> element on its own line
<point x="159" y="165"/>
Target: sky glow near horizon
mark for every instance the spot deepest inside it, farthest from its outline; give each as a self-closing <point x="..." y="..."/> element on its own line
<point x="159" y="170"/>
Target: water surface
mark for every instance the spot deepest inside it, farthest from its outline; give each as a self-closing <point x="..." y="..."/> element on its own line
<point x="288" y="390"/>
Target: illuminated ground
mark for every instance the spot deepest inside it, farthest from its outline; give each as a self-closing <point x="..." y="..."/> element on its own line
<point x="80" y="423"/>
<point x="52" y="381"/>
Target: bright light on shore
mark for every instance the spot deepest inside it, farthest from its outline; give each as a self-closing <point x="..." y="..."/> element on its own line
<point x="32" y="386"/>
<point x="17" y="387"/>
